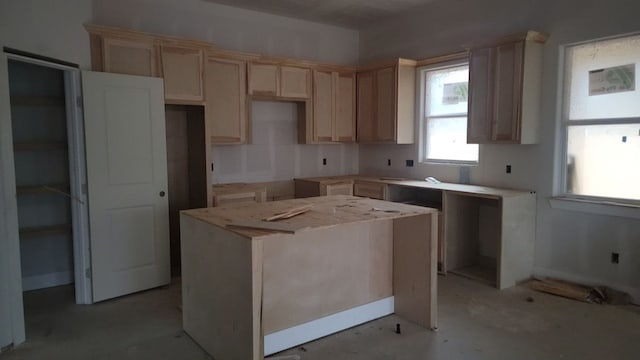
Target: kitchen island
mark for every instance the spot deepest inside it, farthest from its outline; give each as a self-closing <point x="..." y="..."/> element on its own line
<point x="251" y="292"/>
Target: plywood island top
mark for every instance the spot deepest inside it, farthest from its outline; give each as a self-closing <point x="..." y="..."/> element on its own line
<point x="324" y="211"/>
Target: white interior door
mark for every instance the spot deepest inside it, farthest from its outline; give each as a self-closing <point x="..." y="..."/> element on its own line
<point x="127" y="181"/>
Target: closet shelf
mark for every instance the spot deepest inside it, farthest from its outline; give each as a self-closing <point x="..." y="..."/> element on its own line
<point x="41" y="189"/>
<point x="19" y="100"/>
<point x="39" y="146"/>
<point x="42" y="231"/>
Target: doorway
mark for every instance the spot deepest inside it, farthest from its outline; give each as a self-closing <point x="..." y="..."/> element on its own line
<point x="186" y="170"/>
<point x="48" y="159"/>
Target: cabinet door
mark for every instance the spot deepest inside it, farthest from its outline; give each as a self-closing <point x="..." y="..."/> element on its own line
<point x="226" y="101"/>
<point x="182" y="70"/>
<point x="366" y="106"/>
<point x="480" y="96"/>
<point x="295" y="82"/>
<point x="385" y="130"/>
<point x="323" y="106"/>
<point x="129" y="57"/>
<point x="508" y="92"/>
<point x="345" y="120"/>
<point x="263" y="79"/>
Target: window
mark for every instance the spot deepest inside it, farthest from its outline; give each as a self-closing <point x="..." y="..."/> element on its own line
<point x="601" y="119"/>
<point x="445" y="92"/>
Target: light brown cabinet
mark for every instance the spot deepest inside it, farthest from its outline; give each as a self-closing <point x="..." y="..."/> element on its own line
<point x="386" y="103"/>
<point x="323" y="186"/>
<point x="180" y="62"/>
<point x="224" y="194"/>
<point x="505" y="90"/>
<point x="333" y="106"/>
<point x="370" y="189"/>
<point x="131" y="57"/>
<point x="183" y="73"/>
<point x="280" y="81"/>
<point x="295" y="82"/>
<point x="226" y="104"/>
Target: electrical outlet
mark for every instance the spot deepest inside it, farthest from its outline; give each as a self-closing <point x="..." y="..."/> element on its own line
<point x="508" y="169"/>
<point x="615" y="258"/>
<point x="409" y="163"/>
<point x="388" y="162"/>
<point x="324" y="161"/>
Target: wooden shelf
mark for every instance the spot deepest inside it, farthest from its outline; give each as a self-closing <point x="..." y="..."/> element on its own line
<point x="17" y="100"/>
<point x="42" y="231"/>
<point x="39" y="146"/>
<point x="40" y="189"/>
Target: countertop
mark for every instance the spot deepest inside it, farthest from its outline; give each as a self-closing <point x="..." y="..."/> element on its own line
<point x="326" y="211"/>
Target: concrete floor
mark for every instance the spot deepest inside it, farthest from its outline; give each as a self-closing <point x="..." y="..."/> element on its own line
<point x="475" y="322"/>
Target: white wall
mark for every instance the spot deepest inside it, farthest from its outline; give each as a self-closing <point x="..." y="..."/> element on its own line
<point x="232" y="28"/>
<point x="49" y="28"/>
<point x="570" y="245"/>
<point x="273" y="154"/>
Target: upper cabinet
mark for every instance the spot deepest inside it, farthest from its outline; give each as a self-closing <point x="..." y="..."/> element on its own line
<point x="183" y="73"/>
<point x="127" y="56"/>
<point x="505" y="90"/>
<point x="279" y="81"/>
<point x="226" y="105"/>
<point x="264" y="79"/>
<point x="334" y="113"/>
<point x="180" y="62"/>
<point x="386" y="103"/>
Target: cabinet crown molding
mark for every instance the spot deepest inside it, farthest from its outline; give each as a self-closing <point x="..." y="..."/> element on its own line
<point x="531" y="35"/>
<point x="388" y="63"/>
<point x="116" y="32"/>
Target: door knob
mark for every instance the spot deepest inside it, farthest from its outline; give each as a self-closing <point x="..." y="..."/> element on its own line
<point x="162" y="193"/>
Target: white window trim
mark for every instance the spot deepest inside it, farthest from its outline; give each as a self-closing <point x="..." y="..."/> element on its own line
<point x="422" y="141"/>
<point x="563" y="200"/>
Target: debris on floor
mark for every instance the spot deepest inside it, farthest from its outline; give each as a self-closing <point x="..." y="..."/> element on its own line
<point x="588" y="294"/>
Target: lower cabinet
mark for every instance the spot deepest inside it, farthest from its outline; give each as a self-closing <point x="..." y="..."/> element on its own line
<point x="373" y="190"/>
<point x="238" y="193"/>
<point x="322" y="187"/>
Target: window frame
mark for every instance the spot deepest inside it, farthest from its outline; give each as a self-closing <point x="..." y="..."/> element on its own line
<point x="421" y="72"/>
<point x="564" y="123"/>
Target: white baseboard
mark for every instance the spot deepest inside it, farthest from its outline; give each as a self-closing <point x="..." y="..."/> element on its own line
<point x="542" y="272"/>
<point x="300" y="334"/>
<point x="47" y="280"/>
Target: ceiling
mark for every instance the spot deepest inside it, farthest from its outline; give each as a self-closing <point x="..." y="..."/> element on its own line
<point x="347" y="13"/>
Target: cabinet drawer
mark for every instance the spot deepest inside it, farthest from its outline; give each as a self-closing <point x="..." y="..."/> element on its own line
<point x="370" y="189"/>
<point x="342" y="188"/>
<point x="234" y="198"/>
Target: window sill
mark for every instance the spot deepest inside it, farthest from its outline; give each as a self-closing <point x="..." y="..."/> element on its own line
<point x="596" y="207"/>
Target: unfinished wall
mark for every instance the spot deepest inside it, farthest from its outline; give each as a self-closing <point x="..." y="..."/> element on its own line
<point x="571" y="245"/>
<point x="274" y="153"/>
<point x="232" y="28"/>
<point x="49" y="28"/>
